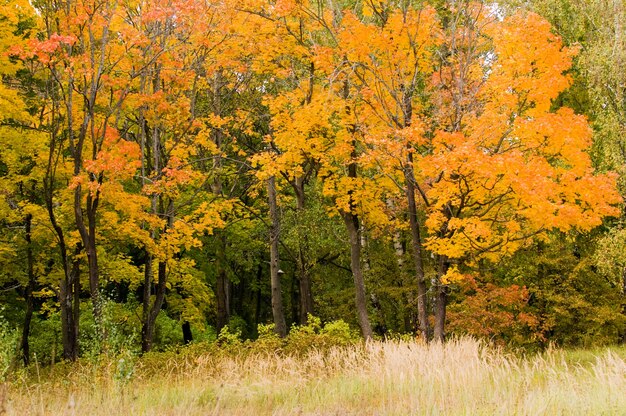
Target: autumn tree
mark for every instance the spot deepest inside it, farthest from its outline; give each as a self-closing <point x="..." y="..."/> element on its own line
<point x="303" y="130"/>
<point x="26" y="173"/>
<point x="388" y="53"/>
<point x="503" y="166"/>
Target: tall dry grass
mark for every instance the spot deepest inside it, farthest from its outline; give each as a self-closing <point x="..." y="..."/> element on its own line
<point x="462" y="377"/>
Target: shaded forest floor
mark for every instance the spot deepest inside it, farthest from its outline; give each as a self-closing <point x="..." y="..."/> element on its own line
<point x="382" y="378"/>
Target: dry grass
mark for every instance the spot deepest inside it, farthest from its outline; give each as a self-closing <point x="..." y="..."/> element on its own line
<point x="394" y="378"/>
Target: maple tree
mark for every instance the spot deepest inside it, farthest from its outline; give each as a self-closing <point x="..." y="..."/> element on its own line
<point x="504" y="167"/>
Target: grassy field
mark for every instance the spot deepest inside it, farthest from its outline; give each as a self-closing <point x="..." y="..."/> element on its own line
<point x="462" y="377"/>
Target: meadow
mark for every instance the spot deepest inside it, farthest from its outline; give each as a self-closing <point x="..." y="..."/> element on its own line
<point x="461" y="377"/>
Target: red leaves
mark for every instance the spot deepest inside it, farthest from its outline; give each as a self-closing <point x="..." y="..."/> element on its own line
<point x="44" y="50"/>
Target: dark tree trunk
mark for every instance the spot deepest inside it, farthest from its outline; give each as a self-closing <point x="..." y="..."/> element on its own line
<point x="30" y="304"/>
<point x="69" y="286"/>
<point x="187" y="335"/>
<point x="416" y="240"/>
<point x="416" y="250"/>
<point x="88" y="238"/>
<point x="622" y="339"/>
<point x="352" y="225"/>
<point x="76" y="301"/>
<point x="351" y="220"/>
<point x="277" y="297"/>
<point x="304" y="274"/>
<point x="92" y="259"/>
<point x="441" y="297"/>
<point x="295" y="299"/>
<point x="222" y="290"/>
<point x="150" y="313"/>
<point x="257" y="309"/>
<point x="147" y="292"/>
<point x="69" y="298"/>
<point x="306" y="297"/>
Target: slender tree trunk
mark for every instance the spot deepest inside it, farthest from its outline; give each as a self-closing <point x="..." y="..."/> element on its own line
<point x="92" y="266"/>
<point x="411" y="322"/>
<point x="30" y="306"/>
<point x="257" y="309"/>
<point x="351" y="221"/>
<point x="76" y="302"/>
<point x="306" y="296"/>
<point x="152" y="312"/>
<point x="441" y="297"/>
<point x="152" y="309"/>
<point x="223" y="300"/>
<point x="352" y="225"/>
<point x="277" y="298"/>
<point x="623" y="335"/>
<point x="69" y="286"/>
<point x="69" y="298"/>
<point x="222" y="292"/>
<point x="416" y="250"/>
<point x="304" y="274"/>
<point x="187" y="335"/>
<point x="294" y="290"/>
<point x="148" y="273"/>
<point x="223" y="288"/>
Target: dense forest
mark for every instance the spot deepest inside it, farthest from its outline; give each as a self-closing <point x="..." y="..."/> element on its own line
<point x="175" y="169"/>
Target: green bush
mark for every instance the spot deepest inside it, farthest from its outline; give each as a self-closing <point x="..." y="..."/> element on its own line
<point x="268" y="339"/>
<point x="228" y="337"/>
<point x="317" y="335"/>
<point x="9" y="339"/>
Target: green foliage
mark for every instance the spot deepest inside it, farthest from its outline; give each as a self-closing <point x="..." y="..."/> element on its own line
<point x="229" y="338"/>
<point x="268" y="339"/>
<point x="610" y="257"/>
<point x="576" y="304"/>
<point x="45" y="339"/>
<point x="9" y="339"/>
<point x="121" y="326"/>
<point x="314" y="334"/>
<point x="125" y="369"/>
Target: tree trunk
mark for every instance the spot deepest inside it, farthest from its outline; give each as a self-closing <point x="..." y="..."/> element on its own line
<point x="25" y="346"/>
<point x="257" y="308"/>
<point x="351" y="221"/>
<point x="222" y="292"/>
<point x="94" y="275"/>
<point x="306" y="296"/>
<point x="441" y="296"/>
<point x="294" y="290"/>
<point x="69" y="299"/>
<point x="146" y="338"/>
<point x="277" y="298"/>
<point x="623" y="334"/>
<point x="187" y="335"/>
<point x="352" y="225"/>
<point x="150" y="313"/>
<point x="69" y="286"/>
<point x="88" y="237"/>
<point x="304" y="275"/>
<point x="416" y="250"/>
